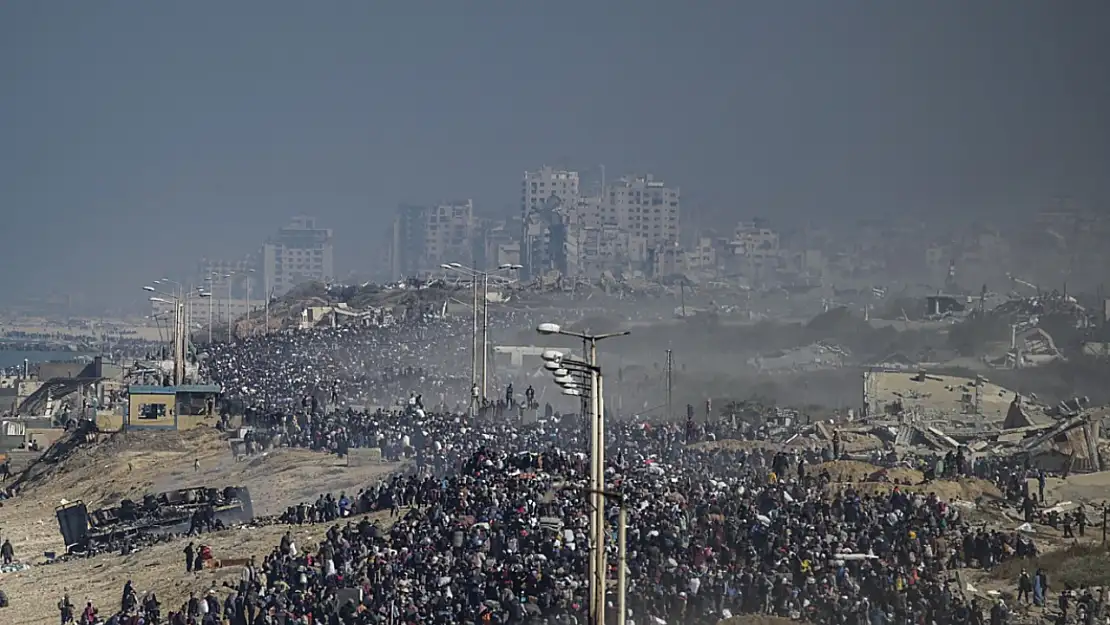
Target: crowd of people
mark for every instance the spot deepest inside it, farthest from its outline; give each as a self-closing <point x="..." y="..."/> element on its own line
<point x="353" y="365"/>
<point x="502" y="537"/>
<point x="488" y="521"/>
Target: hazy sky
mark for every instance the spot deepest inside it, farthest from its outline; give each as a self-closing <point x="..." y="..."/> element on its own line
<point x="136" y="137"/>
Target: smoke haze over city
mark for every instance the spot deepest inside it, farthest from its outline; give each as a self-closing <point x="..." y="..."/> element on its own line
<point x="136" y="138"/>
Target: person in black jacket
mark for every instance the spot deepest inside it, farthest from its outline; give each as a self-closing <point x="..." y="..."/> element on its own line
<point x="190" y="551"/>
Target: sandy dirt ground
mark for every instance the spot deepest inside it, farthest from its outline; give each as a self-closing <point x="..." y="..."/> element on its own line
<point x="1091" y="489"/>
<point x="129" y="465"/>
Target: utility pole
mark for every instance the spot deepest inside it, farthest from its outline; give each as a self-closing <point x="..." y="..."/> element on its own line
<point x="485" y="331"/>
<point x="229" y="280"/>
<point x="179" y="343"/>
<point x="474" y="344"/>
<point x="185" y="321"/>
<point x="249" y="306"/>
<point x="176" y="337"/>
<point x="622" y="564"/>
<point x="670" y="383"/>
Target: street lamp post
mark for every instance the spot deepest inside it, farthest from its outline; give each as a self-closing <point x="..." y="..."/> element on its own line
<point x="248" y="302"/>
<point x="229" y="324"/>
<point x="622" y="540"/>
<point x="181" y="325"/>
<point x="593" y="393"/>
<point x="473" y="331"/>
<point x="230" y="284"/>
<point x="210" y="281"/>
<point x="485" y="321"/>
<point x="474" y="274"/>
<point x="598" y="564"/>
<point x="474" y="346"/>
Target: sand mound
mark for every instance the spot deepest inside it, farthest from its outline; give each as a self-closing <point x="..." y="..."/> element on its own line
<point x="102" y="470"/>
<point x="730" y="445"/>
<point x="856" y="471"/>
<point x="859" y="475"/>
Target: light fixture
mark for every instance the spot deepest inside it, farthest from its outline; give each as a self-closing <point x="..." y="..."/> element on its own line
<point x="548" y="328"/>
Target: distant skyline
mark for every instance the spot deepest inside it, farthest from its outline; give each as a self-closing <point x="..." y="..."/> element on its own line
<point x="136" y="138"/>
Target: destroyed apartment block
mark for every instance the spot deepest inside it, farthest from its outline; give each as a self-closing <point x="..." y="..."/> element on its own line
<point x="1027" y="311"/>
<point x="908" y="411"/>
<point x="1068" y="442"/>
<point x="933" y="397"/>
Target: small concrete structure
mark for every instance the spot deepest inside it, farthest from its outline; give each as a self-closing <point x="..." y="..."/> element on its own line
<point x="171" y="407"/>
<point x="517" y="353"/>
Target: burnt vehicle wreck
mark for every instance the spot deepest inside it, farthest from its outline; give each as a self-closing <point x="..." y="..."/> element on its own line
<point x="157" y="515"/>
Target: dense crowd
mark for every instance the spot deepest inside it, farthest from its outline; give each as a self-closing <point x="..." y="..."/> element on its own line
<point x="489" y="524"/>
<point x="488" y="520"/>
<point x="280" y="374"/>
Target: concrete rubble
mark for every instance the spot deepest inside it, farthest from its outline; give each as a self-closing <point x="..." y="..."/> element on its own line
<point x="1062" y="438"/>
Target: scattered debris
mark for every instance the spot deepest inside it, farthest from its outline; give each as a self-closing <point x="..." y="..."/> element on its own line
<point x="163" y="514"/>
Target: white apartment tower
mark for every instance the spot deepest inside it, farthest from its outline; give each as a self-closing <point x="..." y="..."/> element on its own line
<point x="541" y="186"/>
<point x="547" y="196"/>
<point x="298" y="253"/>
<point x="643" y="206"/>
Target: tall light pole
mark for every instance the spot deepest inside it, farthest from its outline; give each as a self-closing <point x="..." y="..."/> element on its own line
<point x="230" y="283"/>
<point x="485" y="322"/>
<point x="248" y="302"/>
<point x="180" y="328"/>
<point x="622" y="539"/>
<point x="564" y="366"/>
<point x="597" y="451"/>
<point x="473" y="329"/>
<point x="474" y="274"/>
<point x="266" y="307"/>
<point x="229" y="323"/>
<point x="157" y="316"/>
<point x="209" y="280"/>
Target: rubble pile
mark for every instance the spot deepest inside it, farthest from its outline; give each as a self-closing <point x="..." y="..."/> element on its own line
<point x="1027" y="311"/>
<point x="1061" y="438"/>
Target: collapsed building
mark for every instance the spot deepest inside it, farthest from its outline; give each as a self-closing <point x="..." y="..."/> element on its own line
<point x="920" y="414"/>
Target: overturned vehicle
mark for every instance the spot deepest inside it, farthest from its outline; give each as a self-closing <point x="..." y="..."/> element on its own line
<point x="157" y="515"/>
